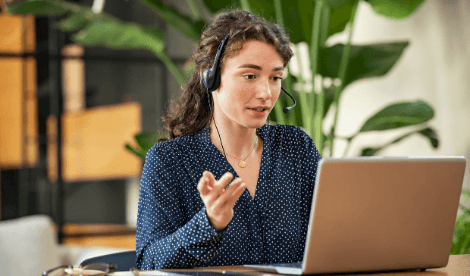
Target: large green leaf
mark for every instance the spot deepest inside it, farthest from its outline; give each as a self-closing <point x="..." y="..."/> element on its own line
<point x="426" y="132"/>
<point x="96" y="29"/>
<point x="215" y="6"/>
<point x="395" y="9"/>
<point x="399" y="115"/>
<point x="74" y="22"/>
<point x="119" y="35"/>
<point x="431" y="135"/>
<point x="145" y="141"/>
<point x="139" y="152"/>
<point x="365" y="61"/>
<point x="336" y="3"/>
<point x="37" y="8"/>
<point x="340" y="14"/>
<point x="297" y="15"/>
<point x="176" y="19"/>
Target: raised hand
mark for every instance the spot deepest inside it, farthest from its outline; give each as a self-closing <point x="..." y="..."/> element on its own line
<point x="219" y="201"/>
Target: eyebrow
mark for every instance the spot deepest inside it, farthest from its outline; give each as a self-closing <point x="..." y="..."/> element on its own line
<point x="256" y="67"/>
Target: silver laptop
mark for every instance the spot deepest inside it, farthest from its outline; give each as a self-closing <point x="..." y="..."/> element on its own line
<point x="380" y="214"/>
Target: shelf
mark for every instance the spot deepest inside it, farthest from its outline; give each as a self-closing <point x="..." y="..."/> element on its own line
<point x="102" y="235"/>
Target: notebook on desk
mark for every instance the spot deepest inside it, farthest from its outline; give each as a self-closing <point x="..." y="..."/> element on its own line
<point x="380" y="214"/>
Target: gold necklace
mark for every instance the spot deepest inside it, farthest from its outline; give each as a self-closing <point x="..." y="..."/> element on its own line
<point x="242" y="162"/>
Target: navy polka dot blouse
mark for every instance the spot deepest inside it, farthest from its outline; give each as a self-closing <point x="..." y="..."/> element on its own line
<point x="173" y="230"/>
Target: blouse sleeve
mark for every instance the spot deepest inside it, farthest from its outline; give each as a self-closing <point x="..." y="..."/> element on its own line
<point x="166" y="237"/>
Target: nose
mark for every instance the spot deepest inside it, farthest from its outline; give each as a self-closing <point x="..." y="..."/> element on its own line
<point x="264" y="91"/>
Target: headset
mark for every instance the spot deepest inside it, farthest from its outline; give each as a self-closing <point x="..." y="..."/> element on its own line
<point x="211" y="81"/>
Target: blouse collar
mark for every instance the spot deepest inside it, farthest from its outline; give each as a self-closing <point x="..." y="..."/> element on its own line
<point x="205" y="140"/>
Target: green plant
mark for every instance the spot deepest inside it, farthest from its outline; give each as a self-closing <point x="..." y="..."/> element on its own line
<point x="461" y="239"/>
<point x="307" y="21"/>
<point x="145" y="141"/>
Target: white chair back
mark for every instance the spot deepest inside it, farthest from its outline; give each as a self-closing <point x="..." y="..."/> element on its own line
<point x="28" y="245"/>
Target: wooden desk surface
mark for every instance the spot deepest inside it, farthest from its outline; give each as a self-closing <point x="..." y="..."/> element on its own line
<point x="459" y="265"/>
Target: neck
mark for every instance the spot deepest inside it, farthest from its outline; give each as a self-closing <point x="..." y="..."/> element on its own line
<point x="237" y="141"/>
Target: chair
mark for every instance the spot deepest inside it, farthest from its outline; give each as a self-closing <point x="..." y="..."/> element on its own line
<point x="28" y="245"/>
<point x="122" y="261"/>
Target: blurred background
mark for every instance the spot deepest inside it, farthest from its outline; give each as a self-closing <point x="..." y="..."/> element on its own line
<point x="105" y="96"/>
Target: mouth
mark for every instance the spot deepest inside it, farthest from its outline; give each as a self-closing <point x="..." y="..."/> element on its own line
<point x="259" y="111"/>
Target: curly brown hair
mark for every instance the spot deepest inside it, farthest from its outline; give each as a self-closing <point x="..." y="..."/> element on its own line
<point x="191" y="112"/>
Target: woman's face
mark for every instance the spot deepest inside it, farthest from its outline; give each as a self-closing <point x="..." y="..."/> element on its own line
<point x="251" y="79"/>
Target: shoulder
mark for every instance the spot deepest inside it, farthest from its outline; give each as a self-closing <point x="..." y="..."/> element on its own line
<point x="166" y="160"/>
<point x="170" y="152"/>
<point x="173" y="148"/>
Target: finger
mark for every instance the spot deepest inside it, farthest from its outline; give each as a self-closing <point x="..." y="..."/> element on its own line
<point x="202" y="182"/>
<point x="236" y="195"/>
<point x="233" y="186"/>
<point x="223" y="182"/>
<point x="203" y="186"/>
<point x="217" y="192"/>
<point x="210" y="178"/>
<point x="229" y="192"/>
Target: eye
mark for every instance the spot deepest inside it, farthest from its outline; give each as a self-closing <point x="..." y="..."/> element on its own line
<point x="277" y="79"/>
<point x="249" y="76"/>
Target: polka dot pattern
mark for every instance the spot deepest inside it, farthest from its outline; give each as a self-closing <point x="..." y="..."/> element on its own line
<point x="173" y="230"/>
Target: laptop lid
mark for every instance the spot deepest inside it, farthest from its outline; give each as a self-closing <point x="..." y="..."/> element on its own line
<point x="383" y="213"/>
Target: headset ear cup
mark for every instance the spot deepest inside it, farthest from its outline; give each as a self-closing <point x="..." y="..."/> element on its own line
<point x="208" y="79"/>
<point x="211" y="77"/>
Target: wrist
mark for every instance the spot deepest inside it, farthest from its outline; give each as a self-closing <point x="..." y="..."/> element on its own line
<point x="217" y="226"/>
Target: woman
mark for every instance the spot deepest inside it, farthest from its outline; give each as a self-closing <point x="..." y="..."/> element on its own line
<point x="190" y="211"/>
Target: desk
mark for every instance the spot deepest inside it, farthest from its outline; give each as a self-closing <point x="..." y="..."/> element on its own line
<point x="459" y="265"/>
